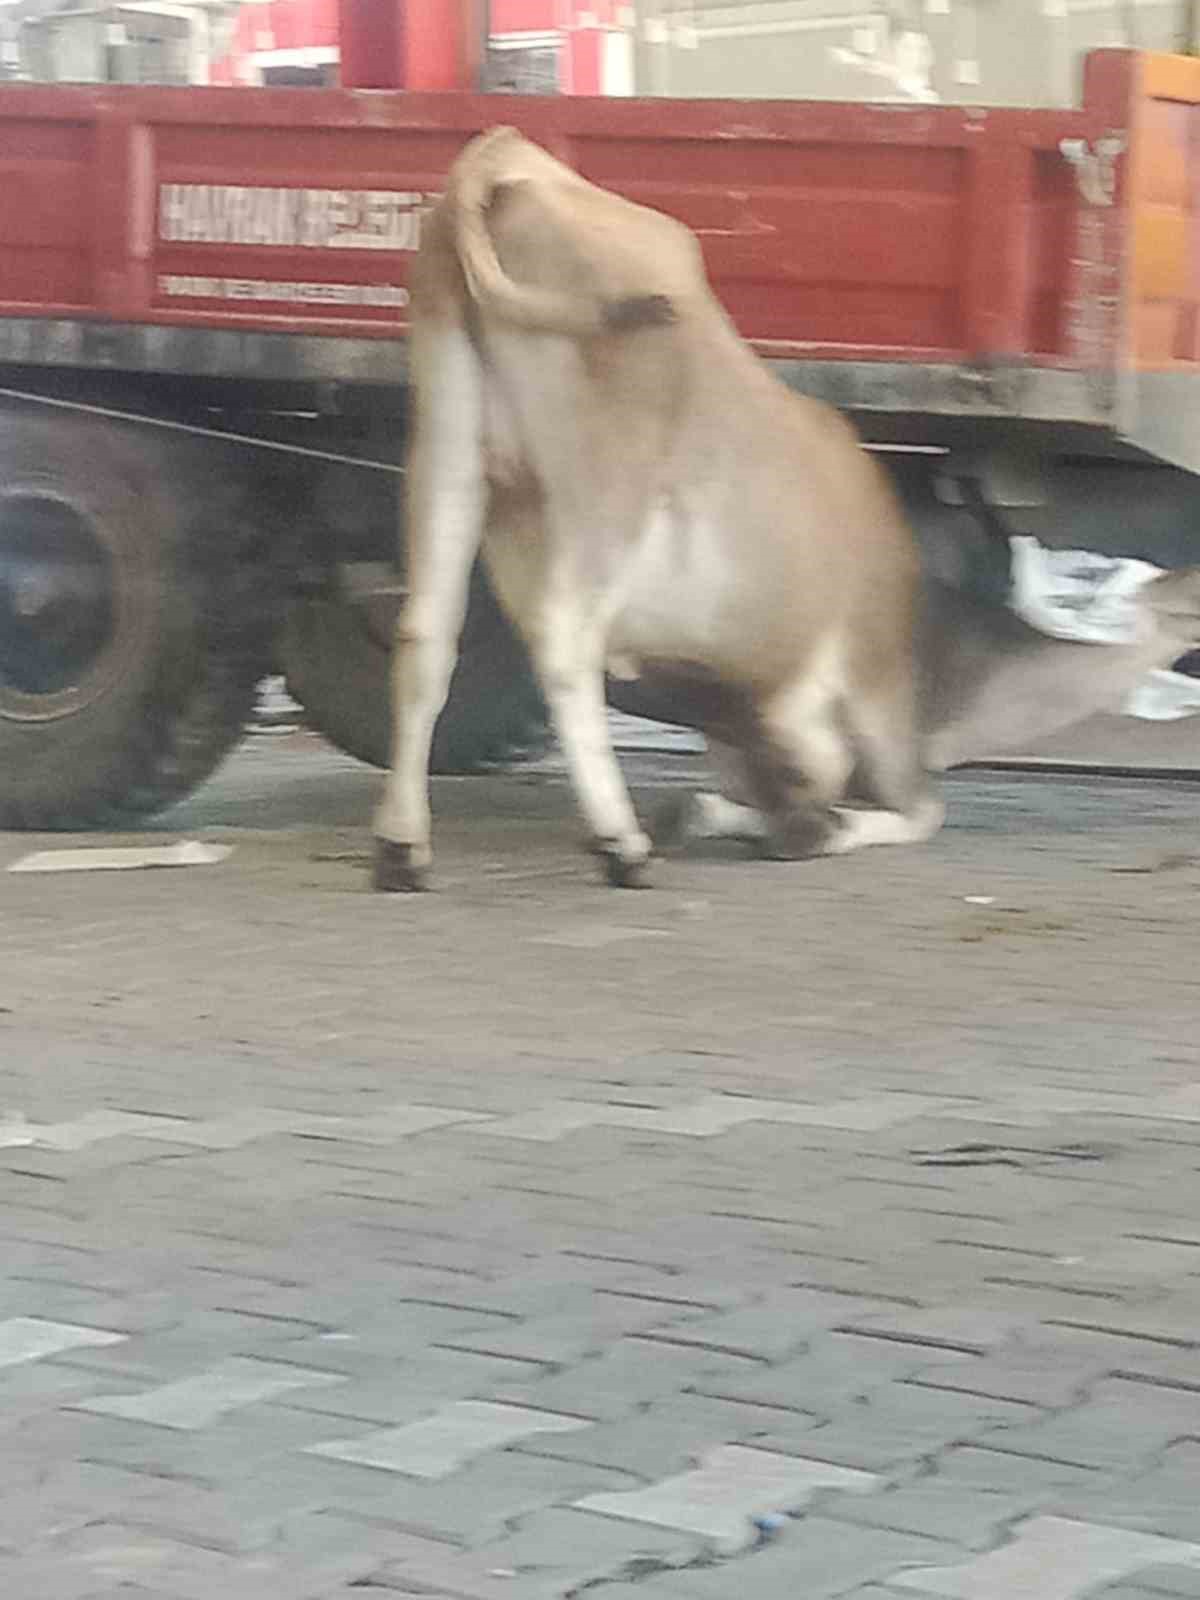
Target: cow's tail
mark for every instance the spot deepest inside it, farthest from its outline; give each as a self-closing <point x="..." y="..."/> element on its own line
<point x="537" y="309"/>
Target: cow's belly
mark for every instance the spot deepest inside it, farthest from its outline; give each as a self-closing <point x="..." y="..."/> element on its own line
<point x="680" y="597"/>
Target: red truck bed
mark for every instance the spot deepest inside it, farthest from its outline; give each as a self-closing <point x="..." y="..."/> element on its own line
<point x="895" y="257"/>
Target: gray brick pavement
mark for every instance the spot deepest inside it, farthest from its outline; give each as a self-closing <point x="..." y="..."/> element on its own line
<point x="301" y="1173"/>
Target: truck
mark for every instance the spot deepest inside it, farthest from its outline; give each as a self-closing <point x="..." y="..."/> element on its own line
<point x="203" y="392"/>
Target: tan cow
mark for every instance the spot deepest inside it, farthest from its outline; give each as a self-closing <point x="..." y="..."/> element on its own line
<point x="650" y="499"/>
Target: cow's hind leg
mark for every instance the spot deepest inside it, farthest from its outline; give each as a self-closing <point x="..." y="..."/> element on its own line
<point x="798" y="762"/>
<point x="445" y="501"/>
<point x="891" y="775"/>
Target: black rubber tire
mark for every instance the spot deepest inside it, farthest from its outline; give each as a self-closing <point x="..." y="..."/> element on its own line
<point x="173" y="686"/>
<point x="336" y="658"/>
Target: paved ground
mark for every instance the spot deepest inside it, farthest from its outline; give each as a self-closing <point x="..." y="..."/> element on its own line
<point x="811" y="1231"/>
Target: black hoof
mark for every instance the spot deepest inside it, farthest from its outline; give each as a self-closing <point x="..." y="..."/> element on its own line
<point x="621" y="874"/>
<point x="621" y="871"/>
<point x="800" y="837"/>
<point x="395" y="870"/>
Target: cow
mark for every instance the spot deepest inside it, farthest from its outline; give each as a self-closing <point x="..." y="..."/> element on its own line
<point x="989" y="682"/>
<point x="651" y="500"/>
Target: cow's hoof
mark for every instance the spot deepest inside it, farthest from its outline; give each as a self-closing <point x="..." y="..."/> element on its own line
<point x="396" y="869"/>
<point x="622" y="874"/>
<point x="799" y="837"/>
<point x="625" y="866"/>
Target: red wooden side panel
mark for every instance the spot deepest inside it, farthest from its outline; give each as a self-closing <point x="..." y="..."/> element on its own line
<point x="894" y="232"/>
<point x="46" y="217"/>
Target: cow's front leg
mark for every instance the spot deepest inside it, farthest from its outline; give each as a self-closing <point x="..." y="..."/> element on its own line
<point x="568" y="650"/>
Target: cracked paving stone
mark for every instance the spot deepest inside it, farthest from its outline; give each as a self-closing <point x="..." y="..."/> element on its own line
<point x="112" y="1558"/>
<point x="1180" y="1583"/>
<point x="438" y="1445"/>
<point x="733" y="1484"/>
<point x="197" y="1402"/>
<point x="1051" y="1558"/>
<point x="52" y="1501"/>
<point x="836" y="1367"/>
<point x="712" y="1115"/>
<point x="815" y="1559"/>
<point x="552" y="1553"/>
<point x="979" y="1467"/>
<point x="1164" y="1500"/>
<point x="773" y="1328"/>
<point x="929" y="1506"/>
<point x="31" y="1338"/>
<point x="903" y="1422"/>
<point x="944" y="1327"/>
<point x="1120" y="1425"/>
<point x="94" y="1126"/>
<point x="630" y="1374"/>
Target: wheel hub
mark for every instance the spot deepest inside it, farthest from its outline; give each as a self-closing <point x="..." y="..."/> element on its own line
<point x="58" y="605"/>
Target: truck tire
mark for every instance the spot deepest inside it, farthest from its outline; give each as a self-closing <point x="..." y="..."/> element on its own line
<point x="337" y="657"/>
<point x="124" y="673"/>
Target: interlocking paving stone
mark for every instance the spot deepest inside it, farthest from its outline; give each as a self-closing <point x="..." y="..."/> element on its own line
<point x="303" y="1563"/>
<point x="569" y="1336"/>
<point x="814" y="1559"/>
<point x="1051" y="1558"/>
<point x="970" y="1329"/>
<point x="1175" y="1581"/>
<point x="664" y="1438"/>
<point x="998" y="1472"/>
<point x="1121" y="1423"/>
<point x="733" y="1484"/>
<point x="713" y="1115"/>
<point x="551" y="1553"/>
<point x="772" y="1328"/>
<point x="94" y="1126"/>
<point x="836" y="1368"/>
<point x="66" y="1496"/>
<point x="441" y="1443"/>
<point x="196" y="1402"/>
<point x="31" y="1338"/>
<point x="1076" y="1033"/>
<point x="937" y="1507"/>
<point x="629" y="1375"/>
<point x="902" y="1423"/>
<point x="1165" y="1499"/>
